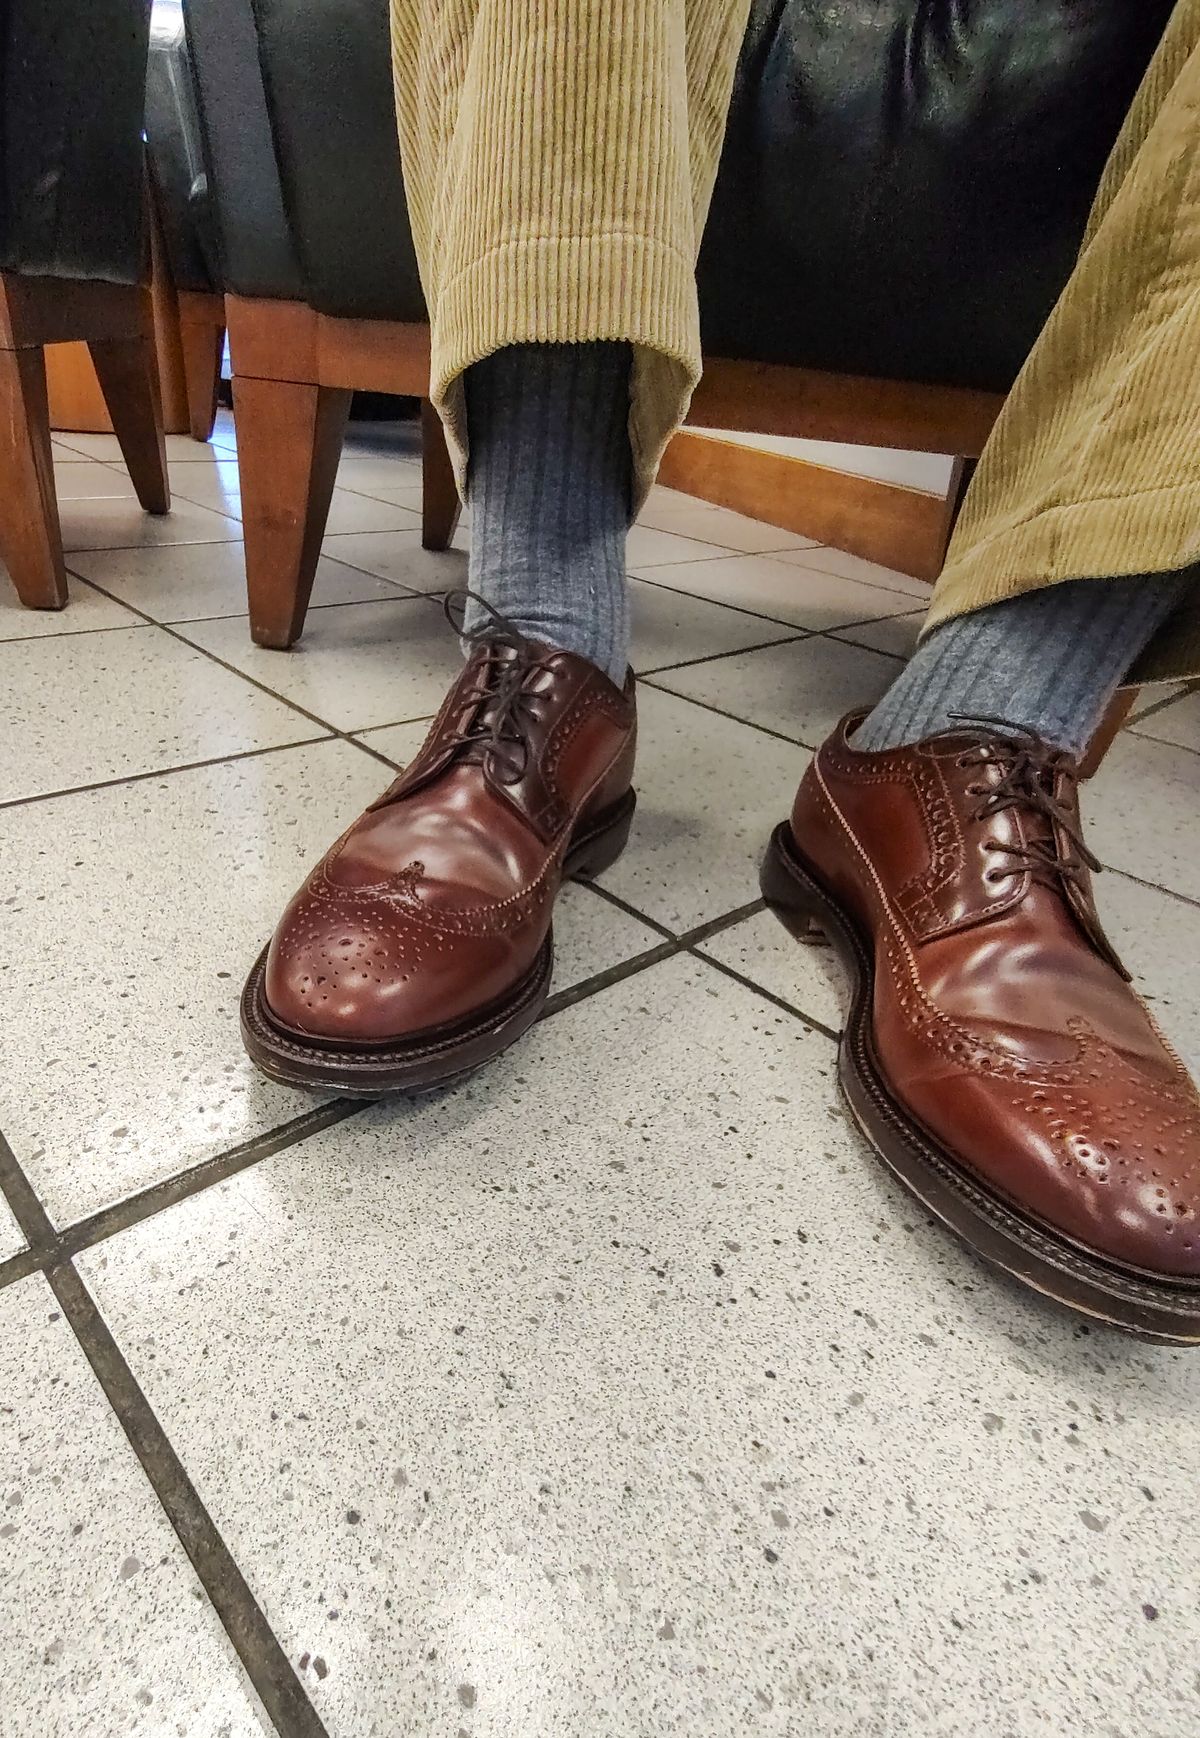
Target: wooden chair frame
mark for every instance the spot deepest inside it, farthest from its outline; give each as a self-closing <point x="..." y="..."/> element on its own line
<point x="115" y="321"/>
<point x="294" y="372"/>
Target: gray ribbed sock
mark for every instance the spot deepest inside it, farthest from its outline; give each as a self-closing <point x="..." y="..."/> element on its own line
<point x="549" y="487"/>
<point x="1050" y="659"/>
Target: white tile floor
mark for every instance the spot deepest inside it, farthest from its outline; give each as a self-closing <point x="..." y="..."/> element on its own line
<point x="614" y="1393"/>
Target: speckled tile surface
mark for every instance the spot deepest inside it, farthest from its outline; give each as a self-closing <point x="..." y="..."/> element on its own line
<point x="106" y="1629"/>
<point x="670" y="628"/>
<point x="126" y="1065"/>
<point x="398" y="556"/>
<point x="668" y="510"/>
<point x="11" y="1240"/>
<point x="808" y="977"/>
<point x="800" y="691"/>
<point x="85" y="610"/>
<point x="710" y="791"/>
<point x="1142" y="815"/>
<point x="1179" y="722"/>
<point x="208" y="579"/>
<point x="840" y="561"/>
<point x="356" y="666"/>
<point x="79" y="708"/>
<point x="803" y="597"/>
<point x="122" y="524"/>
<point x="616" y="1393"/>
<point x="672" y="1418"/>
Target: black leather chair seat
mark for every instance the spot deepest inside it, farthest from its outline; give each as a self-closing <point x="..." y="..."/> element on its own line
<point x="902" y="191"/>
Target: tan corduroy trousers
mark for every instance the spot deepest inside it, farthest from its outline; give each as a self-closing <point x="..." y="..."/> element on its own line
<point x="559" y="157"/>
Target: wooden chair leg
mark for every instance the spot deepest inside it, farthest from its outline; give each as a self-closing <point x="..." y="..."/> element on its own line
<point x="1110" y="727"/>
<point x="128" y="376"/>
<point x="289" y="442"/>
<point x="203" y="346"/>
<point x="440" y="505"/>
<point x="30" y="537"/>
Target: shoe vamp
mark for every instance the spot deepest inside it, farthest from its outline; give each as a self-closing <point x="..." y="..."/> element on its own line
<point x="452" y="844"/>
<point x="1029" y="983"/>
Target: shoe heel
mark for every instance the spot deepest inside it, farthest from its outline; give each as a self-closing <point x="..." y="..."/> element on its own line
<point x="599" y="847"/>
<point x="794" y="905"/>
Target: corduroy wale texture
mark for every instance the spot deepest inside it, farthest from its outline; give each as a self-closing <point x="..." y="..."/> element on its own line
<point x="559" y="157"/>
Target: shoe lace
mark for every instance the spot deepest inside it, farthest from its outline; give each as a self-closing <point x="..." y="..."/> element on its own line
<point x="502" y="707"/>
<point x="1029" y="770"/>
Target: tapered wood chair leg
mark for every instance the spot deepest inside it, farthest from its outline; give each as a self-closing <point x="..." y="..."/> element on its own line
<point x="1109" y="729"/>
<point x="128" y="376"/>
<point x="289" y="441"/>
<point x="30" y="537"/>
<point x="440" y="505"/>
<point x="203" y="346"/>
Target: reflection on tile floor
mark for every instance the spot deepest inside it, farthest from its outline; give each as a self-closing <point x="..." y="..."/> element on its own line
<point x="615" y="1393"/>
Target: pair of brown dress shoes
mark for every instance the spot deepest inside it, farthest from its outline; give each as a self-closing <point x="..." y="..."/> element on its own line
<point x="995" y="1054"/>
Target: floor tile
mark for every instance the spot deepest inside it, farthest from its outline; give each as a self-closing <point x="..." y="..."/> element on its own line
<point x="686" y="516"/>
<point x="826" y="560"/>
<point x="352" y="512"/>
<point x="763" y="583"/>
<point x="216" y="485"/>
<point x="85" y="610"/>
<point x="368" y="476"/>
<point x="896" y="635"/>
<point x="710" y="792"/>
<point x="646" y="547"/>
<point x="800" y="689"/>
<point x="194" y="580"/>
<point x="123" y="525"/>
<point x="11" y="1237"/>
<point x="356" y="664"/>
<point x="1158" y="937"/>
<point x="410" y="495"/>
<point x="1178" y="723"/>
<point x="106" y="1628"/>
<point x="687" y="1386"/>
<point x="398" y="557"/>
<point x="809" y="978"/>
<point x="79" y="708"/>
<point x="1142" y="814"/>
<point x="87" y="480"/>
<point x="669" y="628"/>
<point x="181" y="449"/>
<point x="131" y="918"/>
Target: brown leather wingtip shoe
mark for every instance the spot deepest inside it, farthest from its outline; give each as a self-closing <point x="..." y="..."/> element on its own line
<point x="420" y="946"/>
<point x="995" y="1054"/>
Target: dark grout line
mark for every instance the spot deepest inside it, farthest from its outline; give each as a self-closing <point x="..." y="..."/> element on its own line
<point x="737" y="608"/>
<point x="25" y="1205"/>
<point x="1154" y="886"/>
<point x="20" y="1266"/>
<point x="99" y="1227"/>
<point x="134" y="778"/>
<point x="267" y="1666"/>
<point x="588" y="987"/>
<point x="767" y="995"/>
<point x="1161" y="705"/>
<point x="314" y="718"/>
<point x="707" y="706"/>
<point x="716" y="657"/>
